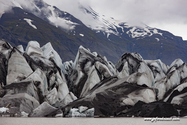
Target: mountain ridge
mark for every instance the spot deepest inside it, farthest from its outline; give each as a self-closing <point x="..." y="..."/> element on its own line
<point x="109" y="38"/>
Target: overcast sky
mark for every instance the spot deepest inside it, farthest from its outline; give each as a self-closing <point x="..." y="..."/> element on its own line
<point x="168" y="15"/>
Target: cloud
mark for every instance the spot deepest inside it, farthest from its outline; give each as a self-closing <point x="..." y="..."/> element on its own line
<point x="157" y="13"/>
<point x="30" y="5"/>
<point x="145" y="11"/>
<point x="8" y="4"/>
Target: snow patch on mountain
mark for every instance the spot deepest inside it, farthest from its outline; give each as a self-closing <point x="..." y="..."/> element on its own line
<point x="157" y="39"/>
<point x="135" y="32"/>
<point x="81" y="34"/>
<point x="29" y="21"/>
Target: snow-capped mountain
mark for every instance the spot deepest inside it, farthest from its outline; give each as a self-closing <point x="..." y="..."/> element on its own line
<point x="106" y="25"/>
<point x="107" y="36"/>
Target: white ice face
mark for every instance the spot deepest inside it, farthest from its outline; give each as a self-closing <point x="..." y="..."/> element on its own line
<point x="49" y="52"/>
<point x="17" y="65"/>
<point x="177" y="63"/>
<point x="33" y="47"/>
<point x="52" y="96"/>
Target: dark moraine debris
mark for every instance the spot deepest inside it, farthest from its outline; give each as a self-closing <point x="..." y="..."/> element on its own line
<point x="158" y="109"/>
<point x="3" y="69"/>
<point x="133" y="60"/>
<point x="111" y="96"/>
<point x="154" y="109"/>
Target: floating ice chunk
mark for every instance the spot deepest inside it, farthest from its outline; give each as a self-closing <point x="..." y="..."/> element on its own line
<point x="90" y="112"/>
<point x="24" y="114"/>
<point x="29" y="21"/>
<point x="4" y="110"/>
<point x="59" y="115"/>
<point x="82" y="108"/>
<point x="74" y="112"/>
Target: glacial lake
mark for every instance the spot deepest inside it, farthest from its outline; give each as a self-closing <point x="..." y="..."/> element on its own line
<point x="91" y="121"/>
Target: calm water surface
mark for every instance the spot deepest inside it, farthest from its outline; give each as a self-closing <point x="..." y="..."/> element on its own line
<point x="86" y="121"/>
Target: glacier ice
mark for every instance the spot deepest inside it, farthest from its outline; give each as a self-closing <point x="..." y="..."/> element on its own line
<point x="17" y="65"/>
<point x="50" y="53"/>
<point x="33" y="47"/>
<point x="88" y="86"/>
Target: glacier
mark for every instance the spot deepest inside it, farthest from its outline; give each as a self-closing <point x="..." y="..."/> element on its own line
<point x="35" y="82"/>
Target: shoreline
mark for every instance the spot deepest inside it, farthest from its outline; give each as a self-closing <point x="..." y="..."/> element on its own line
<point x="85" y="121"/>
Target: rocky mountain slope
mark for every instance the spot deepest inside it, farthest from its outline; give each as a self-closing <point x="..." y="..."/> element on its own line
<point x="17" y="30"/>
<point x="35" y="83"/>
<point x="45" y="23"/>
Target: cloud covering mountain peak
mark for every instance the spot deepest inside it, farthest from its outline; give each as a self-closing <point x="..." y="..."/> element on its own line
<point x="155" y="13"/>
